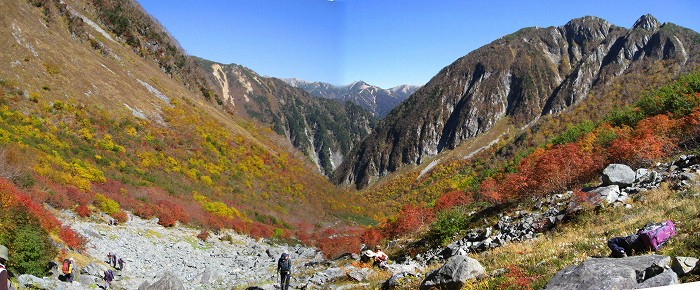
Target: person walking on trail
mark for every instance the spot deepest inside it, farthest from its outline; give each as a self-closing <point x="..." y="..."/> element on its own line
<point x="120" y="262"/>
<point x="69" y="269"/>
<point x="4" y="275"/>
<point x="109" y="276"/>
<point x="625" y="246"/>
<point x="380" y="258"/>
<point x="284" y="268"/>
<point x="114" y="260"/>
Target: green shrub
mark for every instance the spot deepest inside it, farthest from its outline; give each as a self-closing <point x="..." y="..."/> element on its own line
<point x="573" y="133"/>
<point x="31" y="250"/>
<point x="447" y="225"/>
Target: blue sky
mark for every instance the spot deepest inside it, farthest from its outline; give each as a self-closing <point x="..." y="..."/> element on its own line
<point x="382" y="42"/>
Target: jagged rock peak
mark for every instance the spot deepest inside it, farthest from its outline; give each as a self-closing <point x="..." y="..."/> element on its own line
<point x="647" y="22"/>
<point x="588" y="28"/>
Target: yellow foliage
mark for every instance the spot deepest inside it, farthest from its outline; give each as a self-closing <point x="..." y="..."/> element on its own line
<point x="216" y="207"/>
<point x="131" y="131"/>
<point x="106" y="204"/>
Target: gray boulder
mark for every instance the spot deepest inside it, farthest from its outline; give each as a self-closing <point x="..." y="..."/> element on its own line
<point x="618" y="174"/>
<point x="683" y="265"/>
<point x="30" y="281"/>
<point x="454" y="273"/>
<point x="611" y="273"/>
<point x="665" y="278"/>
<point x="168" y="282"/>
<point x="358" y="274"/>
<point x="608" y="193"/>
<point x="94" y="269"/>
<point x="397" y="280"/>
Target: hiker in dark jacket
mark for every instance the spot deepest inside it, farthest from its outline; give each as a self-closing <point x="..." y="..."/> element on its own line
<point x="4" y="276"/>
<point x="284" y="268"/>
<point x="109" y="276"/>
<point x="626" y="246"/>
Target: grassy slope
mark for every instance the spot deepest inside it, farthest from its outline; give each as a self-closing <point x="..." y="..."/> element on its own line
<point x="44" y="65"/>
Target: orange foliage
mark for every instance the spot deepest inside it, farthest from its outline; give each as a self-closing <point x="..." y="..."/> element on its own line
<point x="650" y="140"/>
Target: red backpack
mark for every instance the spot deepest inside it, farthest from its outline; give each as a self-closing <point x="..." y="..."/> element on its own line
<point x="66" y="266"/>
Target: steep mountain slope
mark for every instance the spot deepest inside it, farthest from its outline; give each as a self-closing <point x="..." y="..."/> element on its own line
<point x="374" y="99"/>
<point x="521" y="77"/>
<point x="324" y="130"/>
<point x="99" y="107"/>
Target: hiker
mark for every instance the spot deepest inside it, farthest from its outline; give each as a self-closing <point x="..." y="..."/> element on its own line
<point x="284" y="268"/>
<point x="367" y="255"/>
<point x="109" y="276"/>
<point x="121" y="264"/>
<point x="4" y="275"/>
<point x="114" y="260"/>
<point x="109" y="258"/>
<point x="380" y="258"/>
<point x="68" y="269"/>
<point x="626" y="246"/>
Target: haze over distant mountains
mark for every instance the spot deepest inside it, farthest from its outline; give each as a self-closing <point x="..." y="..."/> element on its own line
<point x="374" y="99"/>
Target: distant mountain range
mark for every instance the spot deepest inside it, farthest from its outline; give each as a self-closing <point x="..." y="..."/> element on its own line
<point x="374" y="99"/>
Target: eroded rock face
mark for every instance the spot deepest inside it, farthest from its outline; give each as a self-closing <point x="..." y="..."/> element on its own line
<point x="611" y="273"/>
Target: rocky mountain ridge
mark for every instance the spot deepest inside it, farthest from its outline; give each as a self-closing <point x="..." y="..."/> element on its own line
<point x="374" y="99"/>
<point x="520" y="77"/>
<point x="323" y="129"/>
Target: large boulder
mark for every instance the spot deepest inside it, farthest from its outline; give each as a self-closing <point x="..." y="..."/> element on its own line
<point x="611" y="273"/>
<point x="34" y="282"/>
<point x="609" y="193"/>
<point x="618" y="174"/>
<point x="168" y="282"/>
<point x="454" y="273"/>
<point x="683" y="265"/>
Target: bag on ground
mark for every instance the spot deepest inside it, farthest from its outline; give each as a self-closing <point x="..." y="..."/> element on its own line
<point x="655" y="235"/>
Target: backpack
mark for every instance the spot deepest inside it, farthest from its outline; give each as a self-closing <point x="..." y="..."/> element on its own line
<point x="655" y="235"/>
<point x="284" y="264"/>
<point x="109" y="275"/>
<point x="66" y="266"/>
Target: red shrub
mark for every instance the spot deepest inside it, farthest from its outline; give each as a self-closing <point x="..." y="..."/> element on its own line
<point x="259" y="230"/>
<point x="371" y="236"/>
<point x="120" y="216"/>
<point x="166" y="219"/>
<point x="451" y="199"/>
<point x="203" y="235"/>
<point x="72" y="239"/>
<point x="83" y="211"/>
<point x="409" y="219"/>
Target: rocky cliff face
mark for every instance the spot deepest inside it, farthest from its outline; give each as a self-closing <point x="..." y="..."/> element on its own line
<point x="374" y="99"/>
<point x="324" y="130"/>
<point x="522" y="76"/>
